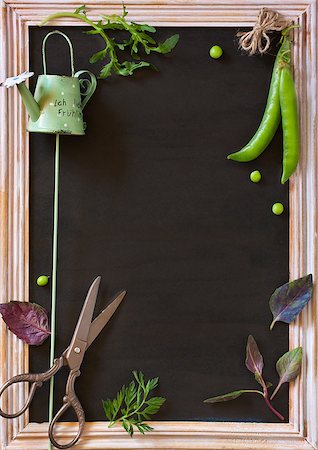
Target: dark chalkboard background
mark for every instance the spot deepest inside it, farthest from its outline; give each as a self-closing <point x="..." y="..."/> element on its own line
<point x="149" y="201"/>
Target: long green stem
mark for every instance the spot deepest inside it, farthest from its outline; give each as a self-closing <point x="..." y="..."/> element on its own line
<point x="275" y="391"/>
<point x="253" y="391"/>
<point x="54" y="272"/>
<point x="79" y="17"/>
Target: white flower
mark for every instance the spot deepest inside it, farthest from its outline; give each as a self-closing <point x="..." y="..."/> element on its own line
<point x="9" y="82"/>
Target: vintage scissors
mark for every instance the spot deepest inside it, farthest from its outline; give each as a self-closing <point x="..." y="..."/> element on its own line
<point x="85" y="333"/>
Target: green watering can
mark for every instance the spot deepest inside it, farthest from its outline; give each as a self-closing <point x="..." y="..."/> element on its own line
<point x="57" y="104"/>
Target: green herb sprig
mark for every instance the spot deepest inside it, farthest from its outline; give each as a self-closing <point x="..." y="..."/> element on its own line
<point x="131" y="406"/>
<point x="138" y="39"/>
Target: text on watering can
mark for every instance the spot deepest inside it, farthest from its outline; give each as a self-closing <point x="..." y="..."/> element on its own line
<point x="65" y="110"/>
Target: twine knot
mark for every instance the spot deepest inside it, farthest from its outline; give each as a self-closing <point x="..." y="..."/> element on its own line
<point x="257" y="40"/>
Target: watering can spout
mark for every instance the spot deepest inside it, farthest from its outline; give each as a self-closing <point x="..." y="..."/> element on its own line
<point x="30" y="103"/>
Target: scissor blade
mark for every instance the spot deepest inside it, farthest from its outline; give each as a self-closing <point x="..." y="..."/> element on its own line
<point x="101" y="320"/>
<point x="80" y="336"/>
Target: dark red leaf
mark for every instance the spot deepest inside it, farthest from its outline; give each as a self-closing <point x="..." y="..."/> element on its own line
<point x="28" y="321"/>
<point x="254" y="360"/>
<point x="289" y="300"/>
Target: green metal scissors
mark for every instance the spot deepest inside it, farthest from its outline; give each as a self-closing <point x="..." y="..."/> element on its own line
<point x="85" y="333"/>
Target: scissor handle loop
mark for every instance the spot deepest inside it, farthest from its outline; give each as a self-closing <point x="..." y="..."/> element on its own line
<point x="70" y="401"/>
<point x="36" y="379"/>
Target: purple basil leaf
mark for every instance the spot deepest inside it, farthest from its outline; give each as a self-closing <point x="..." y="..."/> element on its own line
<point x="232" y="396"/>
<point x="254" y="359"/>
<point x="288" y="367"/>
<point x="288" y="300"/>
<point x="28" y="321"/>
<point x="224" y="398"/>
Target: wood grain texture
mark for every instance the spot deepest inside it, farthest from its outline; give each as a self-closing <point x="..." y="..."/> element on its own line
<point x="172" y="435"/>
<point x="301" y="433"/>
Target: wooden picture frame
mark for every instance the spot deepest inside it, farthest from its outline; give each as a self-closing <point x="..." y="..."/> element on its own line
<point x="16" y="16"/>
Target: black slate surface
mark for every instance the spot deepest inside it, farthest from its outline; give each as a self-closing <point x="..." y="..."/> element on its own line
<point x="149" y="201"/>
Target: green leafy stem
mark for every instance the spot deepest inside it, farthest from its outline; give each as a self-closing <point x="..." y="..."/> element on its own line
<point x="138" y="38"/>
<point x="131" y="406"/>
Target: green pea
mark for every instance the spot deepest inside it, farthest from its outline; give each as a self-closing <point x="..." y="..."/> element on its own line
<point x="255" y="176"/>
<point x="216" y="52"/>
<point x="42" y="280"/>
<point x="278" y="209"/>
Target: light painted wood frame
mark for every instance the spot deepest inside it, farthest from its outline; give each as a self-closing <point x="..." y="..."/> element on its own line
<point x="16" y="16"/>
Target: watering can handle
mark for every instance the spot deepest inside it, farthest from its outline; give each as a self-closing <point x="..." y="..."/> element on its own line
<point x="88" y="86"/>
<point x="69" y="43"/>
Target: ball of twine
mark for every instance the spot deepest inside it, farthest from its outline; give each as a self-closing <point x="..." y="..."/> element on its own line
<point x="257" y="40"/>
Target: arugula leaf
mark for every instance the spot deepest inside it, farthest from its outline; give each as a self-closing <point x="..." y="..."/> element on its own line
<point x="97" y="56"/>
<point x="168" y="45"/>
<point x="81" y="10"/>
<point x="128" y="68"/>
<point x="138" y="41"/>
<point x="131" y="406"/>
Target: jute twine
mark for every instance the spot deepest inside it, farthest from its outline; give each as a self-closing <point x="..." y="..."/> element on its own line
<point x="257" y="40"/>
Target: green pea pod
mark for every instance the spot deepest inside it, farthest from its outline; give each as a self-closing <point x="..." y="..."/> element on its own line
<point x="271" y="116"/>
<point x="290" y="123"/>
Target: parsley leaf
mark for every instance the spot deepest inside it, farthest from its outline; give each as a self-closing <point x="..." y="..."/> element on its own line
<point x="132" y="405"/>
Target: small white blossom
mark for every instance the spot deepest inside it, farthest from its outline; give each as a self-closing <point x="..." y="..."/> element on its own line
<point x="12" y="81"/>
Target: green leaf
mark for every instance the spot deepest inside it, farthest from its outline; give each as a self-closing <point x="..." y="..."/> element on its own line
<point x="224" y="398"/>
<point x="140" y="428"/>
<point x="144" y="27"/>
<point x="131" y="404"/>
<point x="167" y="45"/>
<point x="113" y="26"/>
<point x="153" y="383"/>
<point x="146" y="427"/>
<point x="125" y="425"/>
<point x="146" y="38"/>
<point x="92" y="32"/>
<point x="108" y="408"/>
<point x="128" y="67"/>
<point x="288" y="367"/>
<point x="97" y="56"/>
<point x="80" y="10"/>
<point x="139" y="39"/>
<point x="153" y="405"/>
<point x="106" y="70"/>
<point x="232" y="395"/>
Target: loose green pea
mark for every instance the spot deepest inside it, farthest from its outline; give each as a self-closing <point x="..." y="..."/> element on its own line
<point x="277" y="209"/>
<point x="216" y="52"/>
<point x="255" y="176"/>
<point x="42" y="280"/>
